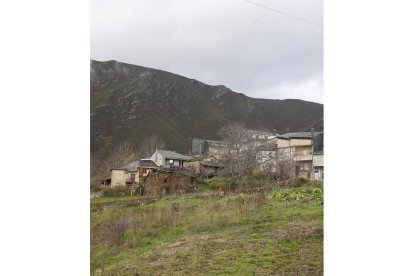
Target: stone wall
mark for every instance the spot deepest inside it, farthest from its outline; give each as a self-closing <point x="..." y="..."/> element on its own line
<point x="163" y="182"/>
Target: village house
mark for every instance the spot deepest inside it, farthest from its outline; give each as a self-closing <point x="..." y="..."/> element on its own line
<point x="299" y="147"/>
<point x="134" y="172"/>
<point x="303" y="149"/>
<point x="168" y="159"/>
<point x="161" y="173"/>
<point x="201" y="147"/>
<point x="318" y="156"/>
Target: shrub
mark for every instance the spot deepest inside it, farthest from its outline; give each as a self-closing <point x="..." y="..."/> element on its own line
<point x="316" y="183"/>
<point x="292" y="194"/>
<point x="117" y="191"/>
<point x="294" y="183"/>
<point x="300" y="181"/>
<point x="216" y="182"/>
<point x="96" y="188"/>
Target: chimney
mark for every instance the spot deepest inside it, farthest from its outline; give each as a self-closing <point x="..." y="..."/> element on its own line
<point x="313" y="132"/>
<point x="287" y="130"/>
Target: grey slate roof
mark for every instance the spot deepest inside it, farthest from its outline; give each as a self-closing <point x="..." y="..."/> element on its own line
<point x="133" y="166"/>
<point x="298" y="135"/>
<point x="174" y="155"/>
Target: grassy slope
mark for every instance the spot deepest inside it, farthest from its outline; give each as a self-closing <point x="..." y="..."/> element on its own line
<point x="234" y="235"/>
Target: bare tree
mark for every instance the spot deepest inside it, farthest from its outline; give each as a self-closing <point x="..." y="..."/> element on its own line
<point x="235" y="136"/>
<point x="240" y="160"/>
<point x="285" y="164"/>
<point x="245" y="156"/>
<point x="149" y="145"/>
<point x="95" y="163"/>
<point x="121" y="155"/>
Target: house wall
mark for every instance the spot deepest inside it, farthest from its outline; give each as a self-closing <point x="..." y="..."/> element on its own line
<point x="193" y="166"/>
<point x="318" y="160"/>
<point x="282" y="143"/>
<point x="302" y="153"/>
<point x="158" y="159"/>
<point x="319" y="172"/>
<point x="300" y="142"/>
<point x="128" y="175"/>
<point x="117" y="178"/>
<point x="293" y="142"/>
<point x="305" y="169"/>
<point x="215" y="148"/>
<point x="143" y="174"/>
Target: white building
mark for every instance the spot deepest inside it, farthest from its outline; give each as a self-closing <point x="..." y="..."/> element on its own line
<point x="168" y="159"/>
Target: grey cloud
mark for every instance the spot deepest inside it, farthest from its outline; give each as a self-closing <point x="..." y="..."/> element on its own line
<point x="247" y="48"/>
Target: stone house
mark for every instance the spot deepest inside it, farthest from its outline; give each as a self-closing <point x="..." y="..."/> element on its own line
<point x="134" y="172"/>
<point x="161" y="173"/>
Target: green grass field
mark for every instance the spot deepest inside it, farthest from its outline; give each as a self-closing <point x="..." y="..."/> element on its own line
<point x="274" y="233"/>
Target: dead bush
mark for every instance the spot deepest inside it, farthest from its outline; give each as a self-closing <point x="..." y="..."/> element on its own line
<point x="294" y="183"/>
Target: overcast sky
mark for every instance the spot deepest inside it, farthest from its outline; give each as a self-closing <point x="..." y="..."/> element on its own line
<point x="250" y="49"/>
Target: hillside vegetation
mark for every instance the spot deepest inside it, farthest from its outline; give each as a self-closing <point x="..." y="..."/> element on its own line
<point x="276" y="232"/>
<point x="130" y="103"/>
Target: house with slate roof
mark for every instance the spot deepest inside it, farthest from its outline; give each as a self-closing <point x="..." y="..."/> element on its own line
<point x="134" y="172"/>
<point x="161" y="162"/>
<point x="306" y="149"/>
<point x="168" y="159"/>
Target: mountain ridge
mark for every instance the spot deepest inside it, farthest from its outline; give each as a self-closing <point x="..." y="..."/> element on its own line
<point x="130" y="102"/>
